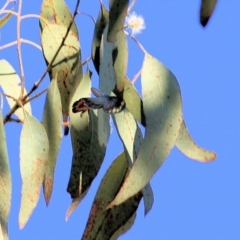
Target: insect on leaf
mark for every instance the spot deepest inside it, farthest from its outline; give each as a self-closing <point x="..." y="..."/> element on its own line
<point x="34" y="148"/>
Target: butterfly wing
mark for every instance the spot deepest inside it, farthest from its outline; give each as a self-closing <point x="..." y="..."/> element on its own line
<point x="113" y="105"/>
<point x="97" y="93"/>
<point x="84" y="104"/>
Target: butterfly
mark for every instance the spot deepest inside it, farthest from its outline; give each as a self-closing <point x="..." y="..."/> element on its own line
<point x="109" y="104"/>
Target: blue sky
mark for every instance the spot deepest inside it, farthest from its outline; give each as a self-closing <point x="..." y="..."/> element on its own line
<point x="192" y="200"/>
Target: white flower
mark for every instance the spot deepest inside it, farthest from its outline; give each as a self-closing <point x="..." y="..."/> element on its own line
<point x="135" y="22"/>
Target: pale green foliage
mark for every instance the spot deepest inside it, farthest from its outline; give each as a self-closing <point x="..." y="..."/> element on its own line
<point x="159" y="111"/>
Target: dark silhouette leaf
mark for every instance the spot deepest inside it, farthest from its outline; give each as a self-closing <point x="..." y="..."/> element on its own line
<point x="117" y="14"/>
<point x="101" y="23"/>
<point x="206" y="10"/>
<point x="102" y="223"/>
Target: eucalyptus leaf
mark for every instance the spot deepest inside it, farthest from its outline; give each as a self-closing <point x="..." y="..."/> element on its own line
<point x="67" y="65"/>
<point x="53" y="125"/>
<point x="102" y="223"/>
<point x="163" y="110"/>
<point x="34" y="148"/>
<point x="10" y="84"/>
<point x="189" y="148"/>
<point x="117" y="14"/>
<point x="56" y="11"/>
<point x="131" y="136"/>
<point x="206" y="10"/>
<point x="101" y="23"/>
<point x="5" y="183"/>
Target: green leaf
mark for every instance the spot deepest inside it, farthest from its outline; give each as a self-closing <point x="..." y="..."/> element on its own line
<point x="10" y="84"/>
<point x="83" y="171"/>
<point x="132" y="138"/>
<point x="5" y="183"/>
<point x="119" y="217"/>
<point x="87" y="158"/>
<point x="53" y="125"/>
<point x="67" y="65"/>
<point x="56" y="11"/>
<point x="101" y="23"/>
<point x="133" y="101"/>
<point x="107" y="83"/>
<point x="206" y="10"/>
<point x="124" y="228"/>
<point x="34" y="148"/>
<point x="120" y="58"/>
<point x="102" y="223"/>
<point x="117" y="14"/>
<point x="163" y="110"/>
<point x="4" y="19"/>
<point x="188" y="147"/>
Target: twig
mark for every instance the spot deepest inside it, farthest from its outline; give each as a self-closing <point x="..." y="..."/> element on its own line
<point x="24" y="16"/>
<point x="136" y="76"/>
<point x="35" y="96"/>
<point x="1" y="98"/>
<point x="6" y="4"/>
<point x="131" y="6"/>
<point x="22" y="40"/>
<point x="136" y="41"/>
<point x="83" y="13"/>
<point x="86" y="61"/>
<point x="19" y="49"/>
<point x="9" y="11"/>
<point x="14" y="120"/>
<point x="36" y="84"/>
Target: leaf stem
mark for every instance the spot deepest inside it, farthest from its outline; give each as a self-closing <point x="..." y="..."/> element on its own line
<point x="22" y="40"/>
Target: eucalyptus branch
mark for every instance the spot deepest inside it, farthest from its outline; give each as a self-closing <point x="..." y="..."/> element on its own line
<point x="86" y="61"/>
<point x="24" y="16"/>
<point x="131" y="6"/>
<point x="35" y="96"/>
<point x="19" y="49"/>
<point x="83" y="13"/>
<point x="6" y="4"/>
<point x="136" y="41"/>
<point x="136" y="76"/>
<point x="36" y="84"/>
<point x="14" y="120"/>
<point x="22" y="40"/>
